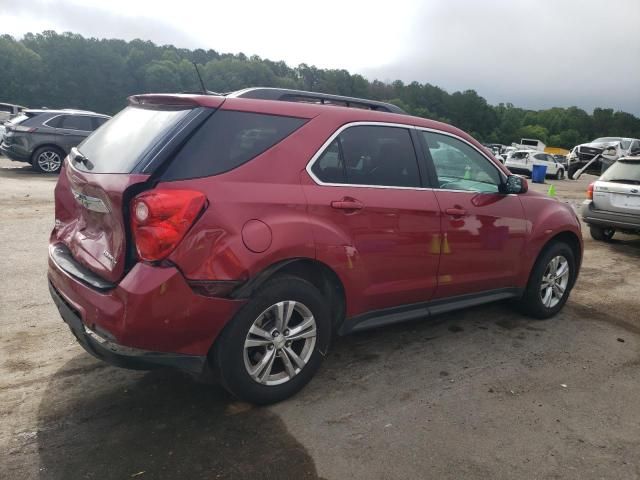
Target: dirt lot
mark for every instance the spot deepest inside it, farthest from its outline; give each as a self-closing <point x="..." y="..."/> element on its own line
<point x="484" y="393"/>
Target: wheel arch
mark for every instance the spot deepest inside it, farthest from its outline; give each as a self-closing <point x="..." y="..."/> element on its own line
<point x="315" y="272"/>
<point x="49" y="145"/>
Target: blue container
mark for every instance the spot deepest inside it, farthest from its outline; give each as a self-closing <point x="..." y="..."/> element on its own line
<point x="538" y="173"/>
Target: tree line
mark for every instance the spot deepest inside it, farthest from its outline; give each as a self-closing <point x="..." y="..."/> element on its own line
<point x="66" y="70"/>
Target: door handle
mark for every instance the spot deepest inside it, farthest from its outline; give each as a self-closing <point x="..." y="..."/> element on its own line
<point x="455" y="212"/>
<point x="347" y="204"/>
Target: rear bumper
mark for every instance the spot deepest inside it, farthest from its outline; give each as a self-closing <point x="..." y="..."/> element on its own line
<point x="603" y="218"/>
<point x="13" y="154"/>
<point x="150" y="318"/>
<point x="116" y="354"/>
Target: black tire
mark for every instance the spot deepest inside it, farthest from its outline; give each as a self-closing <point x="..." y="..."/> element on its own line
<point x="531" y="302"/>
<point x="601" y="234"/>
<point x="228" y="355"/>
<point x="572" y="171"/>
<point x="560" y="174"/>
<point x="47" y="159"/>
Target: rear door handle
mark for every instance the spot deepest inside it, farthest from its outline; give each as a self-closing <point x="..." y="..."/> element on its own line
<point x="455" y="212"/>
<point x="347" y="204"/>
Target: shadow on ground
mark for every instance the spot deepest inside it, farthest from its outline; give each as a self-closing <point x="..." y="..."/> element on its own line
<point x="105" y="423"/>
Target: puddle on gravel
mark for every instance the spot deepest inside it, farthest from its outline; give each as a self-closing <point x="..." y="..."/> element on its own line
<point x="114" y="424"/>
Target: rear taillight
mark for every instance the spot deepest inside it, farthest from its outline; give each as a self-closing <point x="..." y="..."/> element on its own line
<point x="590" y="191"/>
<point x="18" y="128"/>
<point x="161" y="218"/>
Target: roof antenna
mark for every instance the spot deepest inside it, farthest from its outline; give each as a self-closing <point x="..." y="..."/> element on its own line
<point x="204" y="90"/>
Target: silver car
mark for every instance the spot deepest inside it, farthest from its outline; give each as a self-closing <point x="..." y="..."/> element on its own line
<point x="613" y="201"/>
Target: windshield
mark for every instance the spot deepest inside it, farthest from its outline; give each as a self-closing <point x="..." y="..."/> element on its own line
<point x="607" y="140"/>
<point x="120" y="144"/>
<point x="623" y="170"/>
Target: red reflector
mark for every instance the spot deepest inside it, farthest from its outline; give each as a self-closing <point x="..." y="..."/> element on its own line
<point x="590" y="191"/>
<point x="161" y="218"/>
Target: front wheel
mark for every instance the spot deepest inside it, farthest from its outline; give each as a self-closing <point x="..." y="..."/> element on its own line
<point x="275" y="344"/>
<point x="601" y="234"/>
<point x="550" y="281"/>
<point x="560" y="174"/>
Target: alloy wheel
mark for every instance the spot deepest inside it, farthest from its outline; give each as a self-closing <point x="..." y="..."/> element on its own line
<point x="49" y="161"/>
<point x="280" y="343"/>
<point x="554" y="281"/>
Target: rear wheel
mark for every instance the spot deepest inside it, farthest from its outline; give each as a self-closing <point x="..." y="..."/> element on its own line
<point x="275" y="344"/>
<point x="550" y="281"/>
<point x="601" y="234"/>
<point x="47" y="160"/>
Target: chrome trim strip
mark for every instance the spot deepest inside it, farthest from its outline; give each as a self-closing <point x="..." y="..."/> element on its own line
<point x="326" y="144"/>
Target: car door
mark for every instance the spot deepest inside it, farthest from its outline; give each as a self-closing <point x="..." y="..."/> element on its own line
<point x="372" y="220"/>
<point x="483" y="230"/>
<point x="73" y="129"/>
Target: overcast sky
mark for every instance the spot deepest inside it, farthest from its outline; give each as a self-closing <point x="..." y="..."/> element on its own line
<point x="533" y="53"/>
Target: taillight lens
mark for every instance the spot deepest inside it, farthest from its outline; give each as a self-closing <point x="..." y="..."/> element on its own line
<point x="590" y="191"/>
<point x="18" y="128"/>
<point x="161" y="218"/>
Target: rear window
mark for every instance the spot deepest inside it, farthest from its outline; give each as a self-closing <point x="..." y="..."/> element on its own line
<point x="623" y="171"/>
<point x="227" y="140"/>
<point x="120" y="144"/>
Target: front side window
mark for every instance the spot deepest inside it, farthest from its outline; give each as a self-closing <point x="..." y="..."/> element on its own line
<point x="459" y="166"/>
<point x="370" y="155"/>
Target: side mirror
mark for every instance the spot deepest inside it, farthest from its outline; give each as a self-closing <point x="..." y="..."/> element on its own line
<point x="515" y="184"/>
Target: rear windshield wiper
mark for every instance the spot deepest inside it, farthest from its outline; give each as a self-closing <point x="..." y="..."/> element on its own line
<point x="76" y="156"/>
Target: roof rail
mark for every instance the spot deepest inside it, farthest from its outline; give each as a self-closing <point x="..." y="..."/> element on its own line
<point x="288" y="95"/>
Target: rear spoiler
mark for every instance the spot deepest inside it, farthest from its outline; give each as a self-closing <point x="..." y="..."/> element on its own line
<point x="177" y="100"/>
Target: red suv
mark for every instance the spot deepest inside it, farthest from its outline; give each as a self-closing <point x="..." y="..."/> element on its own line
<point x="236" y="234"/>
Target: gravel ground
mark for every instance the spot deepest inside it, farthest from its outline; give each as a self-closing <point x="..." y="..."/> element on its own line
<point x="483" y="393"/>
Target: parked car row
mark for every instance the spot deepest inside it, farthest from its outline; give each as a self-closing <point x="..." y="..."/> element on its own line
<point x="43" y="137"/>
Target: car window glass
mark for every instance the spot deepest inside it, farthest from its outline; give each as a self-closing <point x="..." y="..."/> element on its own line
<point x="98" y="121"/>
<point x="461" y="167"/>
<point x="6" y="108"/>
<point x="329" y="168"/>
<point x="540" y="156"/>
<point x="77" y="122"/>
<point x="55" y="122"/>
<point x="227" y="140"/>
<point x="379" y="156"/>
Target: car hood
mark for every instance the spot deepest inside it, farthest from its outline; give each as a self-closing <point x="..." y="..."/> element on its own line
<point x="600" y="145"/>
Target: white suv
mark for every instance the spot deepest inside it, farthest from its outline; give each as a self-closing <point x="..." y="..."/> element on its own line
<point x="522" y="162"/>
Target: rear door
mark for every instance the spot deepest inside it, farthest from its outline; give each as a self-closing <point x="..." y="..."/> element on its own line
<point x="92" y="192"/>
<point x="372" y="219"/>
<point x="618" y="189"/>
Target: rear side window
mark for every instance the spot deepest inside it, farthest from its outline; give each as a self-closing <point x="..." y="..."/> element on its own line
<point x="124" y="141"/>
<point x="98" y="121"/>
<point x="77" y="122"/>
<point x="227" y="140"/>
<point x="55" y="122"/>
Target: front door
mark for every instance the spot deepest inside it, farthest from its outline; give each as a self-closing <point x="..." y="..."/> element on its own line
<point x="484" y="231"/>
<point x="373" y="221"/>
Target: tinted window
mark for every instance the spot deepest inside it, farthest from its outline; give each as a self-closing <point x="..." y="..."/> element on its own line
<point x="377" y="156"/>
<point x="227" y="140"/>
<point x="55" y="122"/>
<point x="98" y="122"/>
<point x="124" y="141"/>
<point x="329" y="168"/>
<point x="461" y="167"/>
<point x="540" y="156"/>
<point x="6" y="108"/>
<point x="77" y="122"/>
